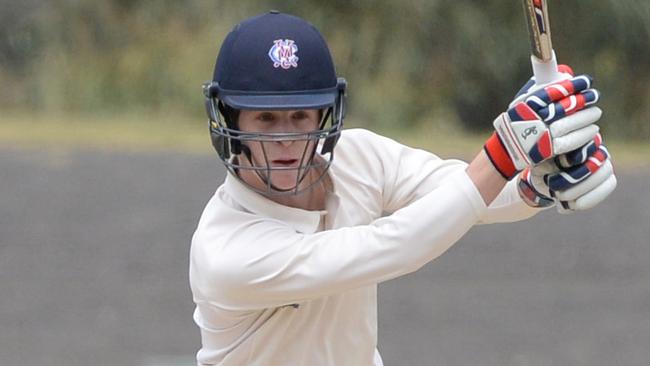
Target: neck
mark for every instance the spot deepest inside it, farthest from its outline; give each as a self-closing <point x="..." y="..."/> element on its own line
<point x="312" y="199"/>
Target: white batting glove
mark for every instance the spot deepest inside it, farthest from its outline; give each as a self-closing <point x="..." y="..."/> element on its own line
<point x="543" y="122"/>
<point x="575" y="181"/>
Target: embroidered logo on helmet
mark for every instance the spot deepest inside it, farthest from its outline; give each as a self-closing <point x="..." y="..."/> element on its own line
<point x="283" y="54"/>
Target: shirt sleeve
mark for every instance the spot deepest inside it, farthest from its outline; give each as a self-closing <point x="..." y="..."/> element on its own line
<point x="508" y="206"/>
<point x="411" y="173"/>
<point x="266" y="264"/>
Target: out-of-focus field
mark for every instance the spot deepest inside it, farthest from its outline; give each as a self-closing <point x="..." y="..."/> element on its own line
<point x="106" y="164"/>
<point x="96" y="217"/>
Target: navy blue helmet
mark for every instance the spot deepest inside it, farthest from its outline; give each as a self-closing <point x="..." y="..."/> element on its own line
<point x="274" y="61"/>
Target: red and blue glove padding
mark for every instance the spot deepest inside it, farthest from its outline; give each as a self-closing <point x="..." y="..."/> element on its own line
<point x="543" y="123"/>
<point x="571" y="95"/>
<point x="577" y="180"/>
<point x="531" y="194"/>
<point x="568" y="177"/>
<point x="579" y="156"/>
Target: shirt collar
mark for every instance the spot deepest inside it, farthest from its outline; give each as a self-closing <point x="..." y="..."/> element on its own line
<point x="303" y="221"/>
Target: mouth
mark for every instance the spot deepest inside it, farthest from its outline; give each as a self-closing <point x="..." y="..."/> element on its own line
<point x="284" y="162"/>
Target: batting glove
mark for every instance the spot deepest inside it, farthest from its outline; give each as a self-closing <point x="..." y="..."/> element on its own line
<point x="543" y="122"/>
<point x="578" y="180"/>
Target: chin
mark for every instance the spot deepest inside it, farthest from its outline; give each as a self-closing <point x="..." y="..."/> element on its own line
<point x="284" y="181"/>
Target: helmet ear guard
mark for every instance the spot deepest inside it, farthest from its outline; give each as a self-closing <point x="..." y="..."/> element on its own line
<point x="339" y="116"/>
<point x="215" y="109"/>
<point x="231" y="116"/>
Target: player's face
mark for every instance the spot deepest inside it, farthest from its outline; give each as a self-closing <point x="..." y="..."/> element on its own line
<point x="286" y="154"/>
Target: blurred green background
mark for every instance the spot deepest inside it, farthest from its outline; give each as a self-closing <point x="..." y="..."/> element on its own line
<point x="127" y="74"/>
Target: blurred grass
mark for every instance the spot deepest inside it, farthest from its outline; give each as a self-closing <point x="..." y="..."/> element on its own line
<point x="133" y="132"/>
<point x="412" y="61"/>
<point x="151" y="133"/>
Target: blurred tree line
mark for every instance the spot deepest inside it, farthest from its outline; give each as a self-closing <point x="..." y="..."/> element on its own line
<point x="409" y="63"/>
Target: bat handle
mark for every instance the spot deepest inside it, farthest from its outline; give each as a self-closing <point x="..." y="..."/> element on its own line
<point x="545" y="71"/>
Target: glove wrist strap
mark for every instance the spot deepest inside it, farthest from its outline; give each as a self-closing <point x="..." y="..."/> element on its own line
<point x="498" y="155"/>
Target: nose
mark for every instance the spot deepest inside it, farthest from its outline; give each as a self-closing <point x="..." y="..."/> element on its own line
<point x="285" y="126"/>
<point x="285" y="143"/>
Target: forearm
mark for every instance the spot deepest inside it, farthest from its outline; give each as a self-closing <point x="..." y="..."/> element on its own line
<point x="509" y="206"/>
<point x="485" y="177"/>
<point x="288" y="267"/>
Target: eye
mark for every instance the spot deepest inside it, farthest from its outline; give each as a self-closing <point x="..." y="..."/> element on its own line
<point x="266" y="117"/>
<point x="300" y="115"/>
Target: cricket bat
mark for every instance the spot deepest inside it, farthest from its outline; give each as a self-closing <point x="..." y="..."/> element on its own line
<point x="543" y="57"/>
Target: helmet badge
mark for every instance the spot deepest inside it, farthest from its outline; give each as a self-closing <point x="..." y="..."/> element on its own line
<point x="283" y="54"/>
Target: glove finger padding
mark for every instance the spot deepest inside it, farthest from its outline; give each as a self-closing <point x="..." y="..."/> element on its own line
<point x="591" y="198"/>
<point x="574" y="139"/>
<point x="558" y="91"/>
<point x="579" y="156"/>
<point x="569" y="177"/>
<point x="575" y="188"/>
<point x="575" y="121"/>
<point x="584" y="186"/>
<point x="593" y="181"/>
<point x="568" y="106"/>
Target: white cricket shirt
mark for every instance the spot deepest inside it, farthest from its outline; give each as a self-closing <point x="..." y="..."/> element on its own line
<point x="271" y="288"/>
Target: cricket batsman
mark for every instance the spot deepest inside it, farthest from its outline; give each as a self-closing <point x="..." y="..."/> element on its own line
<point x="288" y="252"/>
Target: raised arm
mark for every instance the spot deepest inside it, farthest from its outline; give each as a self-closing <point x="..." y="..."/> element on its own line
<point x="280" y="266"/>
